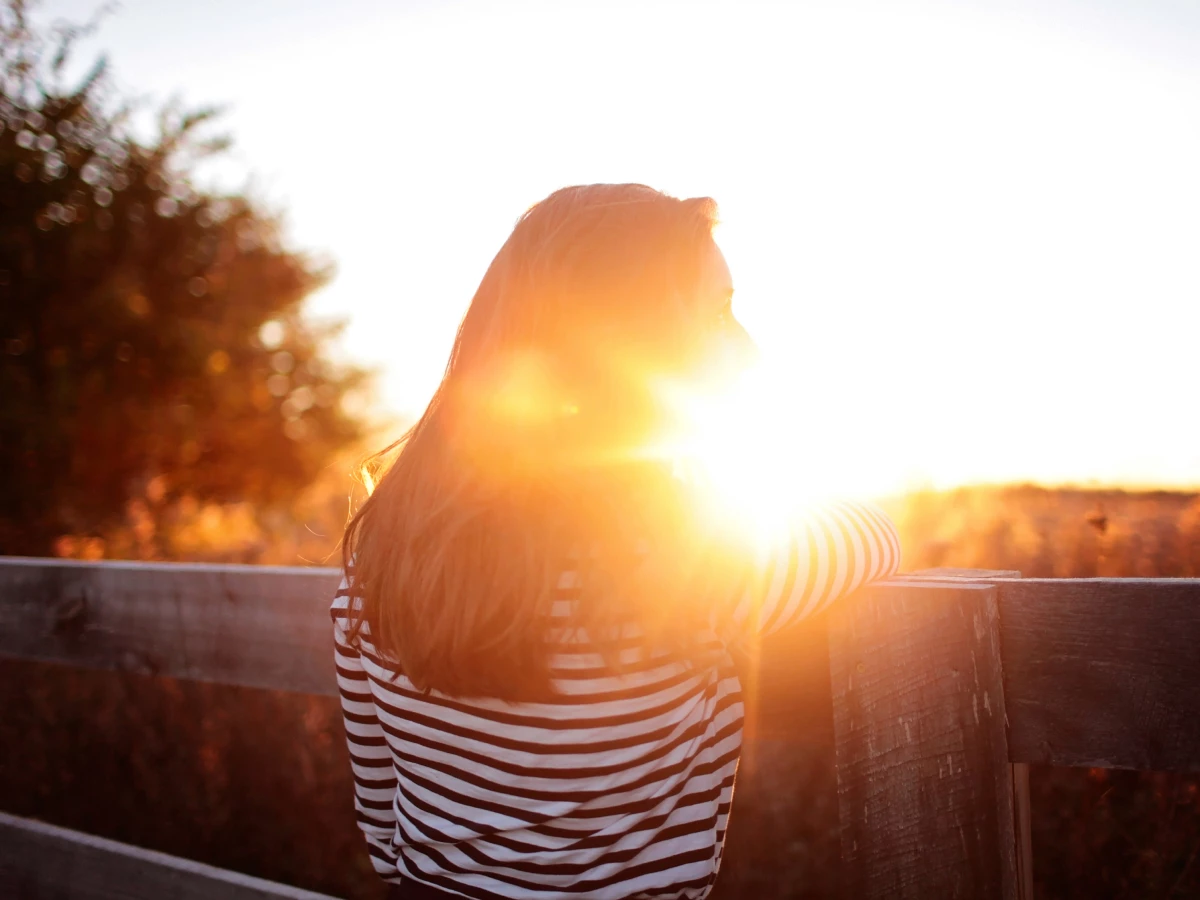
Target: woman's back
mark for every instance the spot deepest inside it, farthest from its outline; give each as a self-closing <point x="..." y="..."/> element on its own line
<point x="617" y="786"/>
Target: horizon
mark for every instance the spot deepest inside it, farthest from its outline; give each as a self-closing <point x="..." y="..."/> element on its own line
<point x="874" y="168"/>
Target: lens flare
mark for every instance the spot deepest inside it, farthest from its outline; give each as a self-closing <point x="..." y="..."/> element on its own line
<point x="743" y="444"/>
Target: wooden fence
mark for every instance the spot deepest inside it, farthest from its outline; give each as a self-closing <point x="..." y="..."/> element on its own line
<point x="946" y="686"/>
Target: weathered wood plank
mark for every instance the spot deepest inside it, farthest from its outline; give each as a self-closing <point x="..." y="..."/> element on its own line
<point x="50" y="863"/>
<point x="790" y="667"/>
<point x="1023" y="827"/>
<point x="1103" y="672"/>
<point x="256" y="626"/>
<point x="924" y="781"/>
<point x="950" y="572"/>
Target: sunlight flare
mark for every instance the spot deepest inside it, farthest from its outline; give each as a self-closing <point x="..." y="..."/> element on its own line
<point x="740" y="443"/>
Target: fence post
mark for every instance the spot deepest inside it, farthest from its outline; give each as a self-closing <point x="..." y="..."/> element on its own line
<point x="927" y="796"/>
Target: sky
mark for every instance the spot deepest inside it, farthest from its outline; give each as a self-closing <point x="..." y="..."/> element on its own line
<point x="966" y="236"/>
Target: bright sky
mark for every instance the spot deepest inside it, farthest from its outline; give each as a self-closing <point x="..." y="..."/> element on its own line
<point x="968" y="234"/>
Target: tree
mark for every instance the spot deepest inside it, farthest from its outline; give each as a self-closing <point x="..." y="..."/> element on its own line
<point x="151" y="335"/>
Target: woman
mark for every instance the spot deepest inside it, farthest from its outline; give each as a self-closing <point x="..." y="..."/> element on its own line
<point x="537" y="629"/>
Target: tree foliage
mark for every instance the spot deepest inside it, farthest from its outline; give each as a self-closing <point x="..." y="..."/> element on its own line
<point x="151" y="336"/>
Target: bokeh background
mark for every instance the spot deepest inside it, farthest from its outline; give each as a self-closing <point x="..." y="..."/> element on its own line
<point x="236" y="239"/>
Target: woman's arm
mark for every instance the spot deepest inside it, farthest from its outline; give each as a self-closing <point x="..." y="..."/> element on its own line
<point x="370" y="760"/>
<point x="829" y="552"/>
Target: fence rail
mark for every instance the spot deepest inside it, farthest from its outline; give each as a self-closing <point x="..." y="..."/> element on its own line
<point x="51" y="863"/>
<point x="252" y="626"/>
<point x="946" y="685"/>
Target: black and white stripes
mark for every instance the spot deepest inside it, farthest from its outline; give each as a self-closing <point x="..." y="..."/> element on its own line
<point x="620" y="786"/>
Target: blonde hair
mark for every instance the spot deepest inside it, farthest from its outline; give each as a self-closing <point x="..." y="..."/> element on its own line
<point x="530" y="459"/>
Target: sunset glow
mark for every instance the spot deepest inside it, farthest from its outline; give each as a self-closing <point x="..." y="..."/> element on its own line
<point x="939" y="217"/>
<point x="755" y="461"/>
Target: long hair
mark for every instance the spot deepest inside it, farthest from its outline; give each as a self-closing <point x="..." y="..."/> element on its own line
<point x="533" y="457"/>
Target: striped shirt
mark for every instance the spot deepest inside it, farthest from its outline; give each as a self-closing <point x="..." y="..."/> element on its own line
<point x="620" y="786"/>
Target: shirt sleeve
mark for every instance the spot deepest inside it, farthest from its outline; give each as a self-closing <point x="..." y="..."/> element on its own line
<point x="828" y="552"/>
<point x="370" y="759"/>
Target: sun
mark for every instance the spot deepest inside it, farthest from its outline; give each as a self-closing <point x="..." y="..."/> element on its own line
<point x="744" y="443"/>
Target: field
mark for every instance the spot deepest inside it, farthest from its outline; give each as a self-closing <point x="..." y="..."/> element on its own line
<point x="258" y="782"/>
